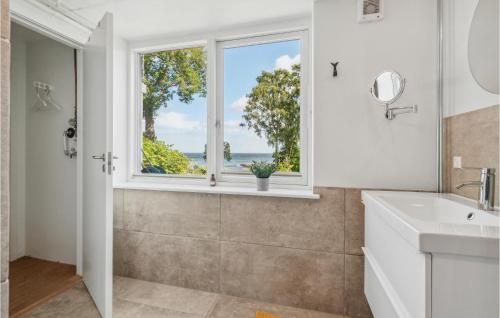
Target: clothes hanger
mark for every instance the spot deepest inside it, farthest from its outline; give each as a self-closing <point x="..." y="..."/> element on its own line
<point x="50" y="100"/>
<point x="43" y="98"/>
<point x="39" y="103"/>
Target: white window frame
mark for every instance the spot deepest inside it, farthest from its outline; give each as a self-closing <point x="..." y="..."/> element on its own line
<point x="283" y="179"/>
<point x="136" y="148"/>
<point x="215" y="113"/>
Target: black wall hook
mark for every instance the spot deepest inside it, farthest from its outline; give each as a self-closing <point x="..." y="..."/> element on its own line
<point x="335" y="68"/>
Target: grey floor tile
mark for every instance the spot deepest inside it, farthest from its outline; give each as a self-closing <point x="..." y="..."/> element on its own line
<point x="164" y="296"/>
<point x="127" y="309"/>
<point x="134" y="298"/>
<point x="75" y="302"/>
<point x="234" y="307"/>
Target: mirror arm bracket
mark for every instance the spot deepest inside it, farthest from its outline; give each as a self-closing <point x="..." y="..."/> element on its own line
<point x="391" y="112"/>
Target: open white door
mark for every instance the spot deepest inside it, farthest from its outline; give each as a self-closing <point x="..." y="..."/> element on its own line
<point x="97" y="196"/>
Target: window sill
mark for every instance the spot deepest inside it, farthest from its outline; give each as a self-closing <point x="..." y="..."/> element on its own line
<point x="305" y="193"/>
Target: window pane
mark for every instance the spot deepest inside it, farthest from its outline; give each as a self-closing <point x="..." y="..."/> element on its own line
<point x="262" y="105"/>
<point x="174" y="112"/>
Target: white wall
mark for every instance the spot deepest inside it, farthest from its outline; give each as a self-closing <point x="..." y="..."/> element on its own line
<point x="50" y="192"/>
<point x="461" y="92"/>
<point x="355" y="146"/>
<point x="18" y="149"/>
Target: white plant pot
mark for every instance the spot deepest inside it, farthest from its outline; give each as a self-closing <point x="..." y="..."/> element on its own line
<point x="262" y="184"/>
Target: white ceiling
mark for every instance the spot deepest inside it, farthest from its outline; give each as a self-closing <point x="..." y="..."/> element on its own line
<point x="147" y="18"/>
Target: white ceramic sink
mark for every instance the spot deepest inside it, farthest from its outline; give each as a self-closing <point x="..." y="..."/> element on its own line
<point x="440" y="210"/>
<point x="426" y="252"/>
<point x="435" y="222"/>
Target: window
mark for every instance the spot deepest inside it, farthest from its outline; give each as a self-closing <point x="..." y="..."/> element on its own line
<point x="261" y="96"/>
<point x="215" y="108"/>
<point x="174" y="112"/>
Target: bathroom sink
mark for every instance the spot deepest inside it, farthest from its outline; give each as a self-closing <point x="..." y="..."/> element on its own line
<point x="434" y="222"/>
<point x="439" y="210"/>
<point x="427" y="252"/>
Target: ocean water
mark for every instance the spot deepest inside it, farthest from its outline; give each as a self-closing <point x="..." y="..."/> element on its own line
<point x="239" y="160"/>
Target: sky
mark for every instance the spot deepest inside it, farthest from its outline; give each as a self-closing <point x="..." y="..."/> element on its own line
<point x="185" y="125"/>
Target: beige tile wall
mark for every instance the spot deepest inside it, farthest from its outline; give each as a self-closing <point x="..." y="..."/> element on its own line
<point x="296" y="252"/>
<point x="4" y="153"/>
<point x="475" y="137"/>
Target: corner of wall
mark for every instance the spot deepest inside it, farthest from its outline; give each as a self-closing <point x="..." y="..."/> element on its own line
<point x="4" y="154"/>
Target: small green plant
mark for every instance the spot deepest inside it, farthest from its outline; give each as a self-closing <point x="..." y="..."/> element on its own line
<point x="262" y="169"/>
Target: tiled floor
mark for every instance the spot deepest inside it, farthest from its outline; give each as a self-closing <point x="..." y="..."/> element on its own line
<point x="136" y="298"/>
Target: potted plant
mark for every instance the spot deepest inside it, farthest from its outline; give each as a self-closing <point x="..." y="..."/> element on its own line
<point x="262" y="170"/>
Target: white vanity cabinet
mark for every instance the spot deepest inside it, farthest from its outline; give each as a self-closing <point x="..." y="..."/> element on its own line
<point x="423" y="258"/>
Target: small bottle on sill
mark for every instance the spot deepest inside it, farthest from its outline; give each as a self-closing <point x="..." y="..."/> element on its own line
<point x="212" y="180"/>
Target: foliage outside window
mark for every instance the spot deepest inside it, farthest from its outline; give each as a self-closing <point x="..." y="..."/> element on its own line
<point x="173" y="79"/>
<point x="268" y="112"/>
<point x="273" y="112"/>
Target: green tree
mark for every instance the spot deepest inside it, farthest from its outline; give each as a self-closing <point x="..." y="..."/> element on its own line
<point x="227" y="152"/>
<point x="273" y="112"/>
<point x="170" y="73"/>
<point x="160" y="156"/>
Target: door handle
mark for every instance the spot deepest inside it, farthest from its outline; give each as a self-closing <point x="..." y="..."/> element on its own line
<point x="101" y="157"/>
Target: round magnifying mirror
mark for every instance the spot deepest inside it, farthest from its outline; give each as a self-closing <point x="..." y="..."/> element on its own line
<point x="387" y="87"/>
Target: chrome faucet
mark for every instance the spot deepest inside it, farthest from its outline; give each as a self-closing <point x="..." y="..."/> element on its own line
<point x="486" y="188"/>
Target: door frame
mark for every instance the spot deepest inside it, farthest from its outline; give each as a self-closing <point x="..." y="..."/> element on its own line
<point x="70" y="42"/>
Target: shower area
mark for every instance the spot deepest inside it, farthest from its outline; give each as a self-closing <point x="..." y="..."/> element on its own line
<point x="43" y="233"/>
